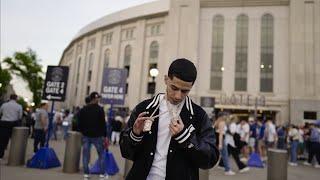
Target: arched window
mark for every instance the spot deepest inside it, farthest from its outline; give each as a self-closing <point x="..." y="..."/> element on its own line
<point x="106" y="58"/>
<point x="266" y="64"/>
<point x="154" y="52"/>
<point x="127" y="58"/>
<point x="241" y="69"/>
<point x="153" y="63"/>
<point x="217" y="53"/>
<point x="78" y="70"/>
<point x="90" y="66"/>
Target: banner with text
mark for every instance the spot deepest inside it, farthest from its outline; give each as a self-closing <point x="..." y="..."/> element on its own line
<point x="113" y="89"/>
<point x="55" y="84"/>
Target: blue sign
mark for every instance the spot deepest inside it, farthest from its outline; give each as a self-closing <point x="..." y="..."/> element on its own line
<point x="113" y="89"/>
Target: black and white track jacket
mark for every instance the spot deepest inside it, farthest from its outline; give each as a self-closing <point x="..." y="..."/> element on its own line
<point x="191" y="149"/>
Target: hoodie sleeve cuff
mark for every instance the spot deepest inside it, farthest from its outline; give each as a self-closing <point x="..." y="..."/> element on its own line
<point x="184" y="134"/>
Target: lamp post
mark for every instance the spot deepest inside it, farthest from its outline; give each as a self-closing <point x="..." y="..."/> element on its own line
<point x="153" y="73"/>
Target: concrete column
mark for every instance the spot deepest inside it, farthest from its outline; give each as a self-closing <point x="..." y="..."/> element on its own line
<point x="277" y="164"/>
<point x="72" y="153"/>
<point x="18" y="146"/>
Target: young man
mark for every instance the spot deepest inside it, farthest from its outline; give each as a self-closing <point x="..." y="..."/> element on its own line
<point x="92" y="126"/>
<point x="180" y="141"/>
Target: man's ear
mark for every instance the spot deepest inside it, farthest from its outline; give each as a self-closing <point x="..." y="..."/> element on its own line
<point x="166" y="78"/>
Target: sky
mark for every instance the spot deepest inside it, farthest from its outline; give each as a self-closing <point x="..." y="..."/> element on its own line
<point x="48" y="26"/>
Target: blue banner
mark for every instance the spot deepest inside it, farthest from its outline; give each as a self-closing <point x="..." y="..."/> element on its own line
<point x="113" y="89"/>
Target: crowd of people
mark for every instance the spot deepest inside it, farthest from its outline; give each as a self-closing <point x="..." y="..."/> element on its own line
<point x="240" y="138"/>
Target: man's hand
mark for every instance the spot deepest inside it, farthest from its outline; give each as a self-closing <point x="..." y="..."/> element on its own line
<point x="176" y="126"/>
<point x="139" y="123"/>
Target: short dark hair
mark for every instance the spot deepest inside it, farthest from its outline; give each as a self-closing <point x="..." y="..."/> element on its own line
<point x="43" y="104"/>
<point x="183" y="69"/>
<point x="94" y="95"/>
<point x="13" y="97"/>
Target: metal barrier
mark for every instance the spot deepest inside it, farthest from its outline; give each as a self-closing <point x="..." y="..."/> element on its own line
<point x="18" y="146"/>
<point x="72" y="152"/>
<point x="277" y="164"/>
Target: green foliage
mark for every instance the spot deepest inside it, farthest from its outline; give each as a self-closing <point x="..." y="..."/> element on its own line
<point x="26" y="65"/>
<point x="23" y="103"/>
<point x="5" y="79"/>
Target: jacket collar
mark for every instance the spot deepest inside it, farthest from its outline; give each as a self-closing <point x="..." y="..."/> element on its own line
<point x="156" y="100"/>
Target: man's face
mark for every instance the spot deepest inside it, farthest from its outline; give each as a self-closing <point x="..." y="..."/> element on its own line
<point x="96" y="100"/>
<point x="46" y="106"/>
<point x="177" y="89"/>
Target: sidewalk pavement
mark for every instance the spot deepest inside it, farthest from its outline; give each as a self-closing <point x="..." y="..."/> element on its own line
<point x="300" y="172"/>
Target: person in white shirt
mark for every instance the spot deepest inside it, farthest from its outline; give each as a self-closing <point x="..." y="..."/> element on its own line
<point x="244" y="130"/>
<point x="66" y="123"/>
<point x="234" y="146"/>
<point x="11" y="114"/>
<point x="270" y="135"/>
<point x="56" y="123"/>
<point x="293" y="139"/>
<point x="168" y="136"/>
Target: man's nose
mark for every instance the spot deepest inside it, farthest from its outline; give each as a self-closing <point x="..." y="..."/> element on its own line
<point x="178" y="95"/>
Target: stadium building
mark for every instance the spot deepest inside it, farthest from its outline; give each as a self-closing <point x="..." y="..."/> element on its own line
<point x="254" y="57"/>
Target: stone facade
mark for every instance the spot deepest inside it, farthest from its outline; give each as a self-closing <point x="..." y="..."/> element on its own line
<point x="184" y="29"/>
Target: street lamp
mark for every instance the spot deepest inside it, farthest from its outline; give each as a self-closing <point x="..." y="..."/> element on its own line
<point x="153" y="73"/>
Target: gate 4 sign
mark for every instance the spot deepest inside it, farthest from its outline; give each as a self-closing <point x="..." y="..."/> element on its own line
<point x="55" y="85"/>
<point x="113" y="87"/>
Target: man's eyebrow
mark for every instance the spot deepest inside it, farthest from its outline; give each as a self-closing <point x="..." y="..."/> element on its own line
<point x="179" y="88"/>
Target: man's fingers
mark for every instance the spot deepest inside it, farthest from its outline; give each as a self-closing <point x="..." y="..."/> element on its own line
<point x="172" y="131"/>
<point x="179" y="121"/>
<point x="141" y="119"/>
<point x="174" y="128"/>
<point x="142" y="114"/>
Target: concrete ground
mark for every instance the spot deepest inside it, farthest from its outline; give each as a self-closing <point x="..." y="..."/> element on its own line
<point x="22" y="173"/>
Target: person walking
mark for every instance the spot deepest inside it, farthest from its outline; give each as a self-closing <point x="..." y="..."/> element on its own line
<point x="314" y="145"/>
<point x="220" y="131"/>
<point x="169" y="136"/>
<point x="11" y="114"/>
<point x="243" y="130"/>
<point x="234" y="143"/>
<point x="92" y="125"/>
<point x="116" y="129"/>
<point x="40" y="127"/>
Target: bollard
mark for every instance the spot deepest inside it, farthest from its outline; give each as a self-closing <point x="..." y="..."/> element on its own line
<point x="72" y="152"/>
<point x="127" y="166"/>
<point x="18" y="146"/>
<point x="277" y="164"/>
<point x="203" y="174"/>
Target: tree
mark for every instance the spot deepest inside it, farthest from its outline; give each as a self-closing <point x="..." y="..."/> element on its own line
<point x="5" y="79"/>
<point x="26" y="65"/>
<point x="22" y="102"/>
